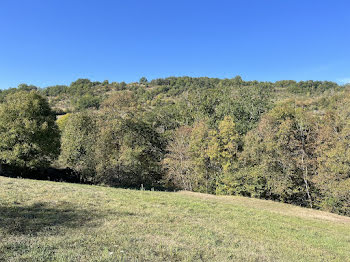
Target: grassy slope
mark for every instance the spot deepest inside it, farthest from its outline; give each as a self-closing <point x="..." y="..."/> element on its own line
<point x="47" y="221"/>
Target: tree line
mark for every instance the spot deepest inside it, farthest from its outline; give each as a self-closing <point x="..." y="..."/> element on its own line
<point x="286" y="141"/>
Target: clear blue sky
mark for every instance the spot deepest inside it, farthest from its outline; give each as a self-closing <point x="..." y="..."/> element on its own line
<point x="51" y="42"/>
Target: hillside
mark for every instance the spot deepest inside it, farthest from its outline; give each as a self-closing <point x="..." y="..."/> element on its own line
<point x="284" y="141"/>
<point x="48" y="221"/>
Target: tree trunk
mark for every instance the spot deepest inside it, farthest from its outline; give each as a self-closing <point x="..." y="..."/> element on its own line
<point x="304" y="166"/>
<point x="305" y="175"/>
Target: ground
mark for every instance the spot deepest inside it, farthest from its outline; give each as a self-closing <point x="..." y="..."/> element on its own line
<point x="51" y="221"/>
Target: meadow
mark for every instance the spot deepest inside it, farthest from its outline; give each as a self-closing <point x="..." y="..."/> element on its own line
<point x="51" y="221"/>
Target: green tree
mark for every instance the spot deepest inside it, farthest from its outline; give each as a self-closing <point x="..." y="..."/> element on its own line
<point x="246" y="104"/>
<point x="29" y="136"/>
<point x="111" y="149"/>
<point x="78" y="144"/>
<point x="283" y="151"/>
<point x="143" y="80"/>
<point x="128" y="153"/>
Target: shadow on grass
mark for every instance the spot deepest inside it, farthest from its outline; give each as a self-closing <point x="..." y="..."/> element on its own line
<point x="40" y="217"/>
<point x="50" y="173"/>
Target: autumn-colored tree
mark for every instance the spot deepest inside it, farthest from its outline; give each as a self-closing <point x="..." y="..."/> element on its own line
<point x="223" y="144"/>
<point x="62" y="121"/>
<point x="178" y="161"/>
<point x="333" y="177"/>
<point x="122" y="104"/>
<point x="203" y="171"/>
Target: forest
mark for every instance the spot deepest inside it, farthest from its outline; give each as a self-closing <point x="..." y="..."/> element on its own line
<point x="285" y="141"/>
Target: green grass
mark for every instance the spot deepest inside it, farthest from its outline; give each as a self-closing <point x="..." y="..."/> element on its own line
<point x="48" y="221"/>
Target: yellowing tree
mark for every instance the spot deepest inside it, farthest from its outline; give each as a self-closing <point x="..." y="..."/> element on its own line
<point x="222" y="150"/>
<point x="223" y="144"/>
<point x="178" y="162"/>
<point x="203" y="170"/>
<point x="333" y="174"/>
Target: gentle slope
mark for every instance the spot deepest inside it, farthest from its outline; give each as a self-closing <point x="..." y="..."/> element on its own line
<point x="47" y="221"/>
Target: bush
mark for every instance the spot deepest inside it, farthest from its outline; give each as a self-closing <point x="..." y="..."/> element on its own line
<point x="87" y="101"/>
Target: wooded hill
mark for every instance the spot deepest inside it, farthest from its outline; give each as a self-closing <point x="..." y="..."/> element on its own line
<point x="285" y="141"/>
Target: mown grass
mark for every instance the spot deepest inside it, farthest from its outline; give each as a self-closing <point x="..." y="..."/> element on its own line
<point x="48" y="221"/>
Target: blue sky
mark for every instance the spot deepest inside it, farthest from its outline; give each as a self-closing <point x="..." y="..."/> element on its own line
<point x="51" y="42"/>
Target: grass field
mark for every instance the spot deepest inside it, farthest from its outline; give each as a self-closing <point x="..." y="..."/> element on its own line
<point x="48" y="221"/>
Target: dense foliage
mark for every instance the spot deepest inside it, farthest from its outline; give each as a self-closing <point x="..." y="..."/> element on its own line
<point x="29" y="136"/>
<point x="285" y="141"/>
